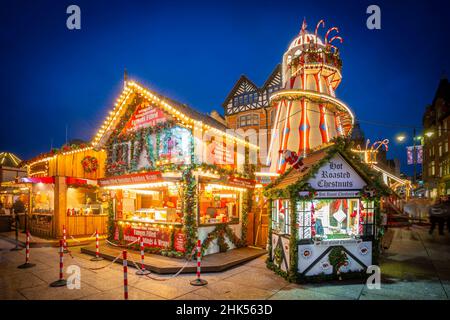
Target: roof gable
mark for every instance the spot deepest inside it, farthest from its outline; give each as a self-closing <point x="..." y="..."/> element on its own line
<point x="241" y="86"/>
<point x="319" y="160"/>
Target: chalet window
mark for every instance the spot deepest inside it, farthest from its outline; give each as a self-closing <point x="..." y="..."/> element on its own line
<point x="281" y="216"/>
<point x="245" y="99"/>
<point x="304" y="220"/>
<point x="368" y="218"/>
<point x="235" y="101"/>
<point x="249" y="120"/>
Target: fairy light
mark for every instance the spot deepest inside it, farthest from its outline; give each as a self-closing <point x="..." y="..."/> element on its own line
<point x="141" y="185"/>
<point x="183" y="118"/>
<point x="212" y="186"/>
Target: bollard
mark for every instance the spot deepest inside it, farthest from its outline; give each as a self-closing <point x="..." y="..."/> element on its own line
<point x="199" y="281"/>
<point x="27" y="263"/>
<point x="142" y="271"/>
<point x="65" y="240"/>
<point x="61" y="281"/>
<point x="97" y="250"/>
<point x="16" y="218"/>
<point x="125" y="275"/>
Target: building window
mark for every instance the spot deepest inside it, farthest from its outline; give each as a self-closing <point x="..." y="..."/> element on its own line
<point x="446" y="147"/>
<point x="440" y="149"/>
<point x="439" y="130"/>
<point x="249" y="120"/>
<point x="281" y="216"/>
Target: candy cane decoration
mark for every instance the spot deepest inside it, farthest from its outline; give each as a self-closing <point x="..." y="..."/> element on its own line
<point x="378" y="144"/>
<point x="125" y="275"/>
<point x="321" y="22"/>
<point x="336" y="38"/>
<point x="328" y="33"/>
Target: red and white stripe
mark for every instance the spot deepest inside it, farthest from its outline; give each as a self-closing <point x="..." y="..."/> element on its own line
<point x="199" y="258"/>
<point x="142" y="253"/>
<point x="64" y="237"/>
<point x="125" y="275"/>
<point x="61" y="259"/>
<point x="97" y="250"/>
<point x="27" y="248"/>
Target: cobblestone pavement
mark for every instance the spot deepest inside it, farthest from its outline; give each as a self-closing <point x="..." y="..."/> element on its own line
<point x="416" y="266"/>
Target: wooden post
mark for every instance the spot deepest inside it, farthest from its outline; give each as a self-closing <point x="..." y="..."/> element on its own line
<point x="59" y="216"/>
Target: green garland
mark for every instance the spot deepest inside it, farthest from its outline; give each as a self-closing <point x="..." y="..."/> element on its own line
<point x="189" y="209"/>
<point x="219" y="233"/>
<point x="111" y="224"/>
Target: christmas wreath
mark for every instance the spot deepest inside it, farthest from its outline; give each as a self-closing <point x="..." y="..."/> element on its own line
<point x="338" y="258"/>
<point x="90" y="164"/>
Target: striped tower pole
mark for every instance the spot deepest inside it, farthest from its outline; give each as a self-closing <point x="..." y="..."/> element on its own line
<point x="27" y="263"/>
<point x="125" y="275"/>
<point x="61" y="281"/>
<point x="65" y="239"/>
<point x="198" y="281"/>
<point x="97" y="248"/>
<point x="142" y="271"/>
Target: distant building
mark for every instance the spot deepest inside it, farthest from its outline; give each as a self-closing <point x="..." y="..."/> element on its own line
<point x="10" y="167"/>
<point x="436" y="158"/>
<point x="247" y="106"/>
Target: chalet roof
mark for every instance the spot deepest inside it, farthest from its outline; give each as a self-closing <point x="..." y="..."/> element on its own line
<point x="8" y="159"/>
<point x="294" y="176"/>
<point x="311" y="162"/>
<point x="196" y="115"/>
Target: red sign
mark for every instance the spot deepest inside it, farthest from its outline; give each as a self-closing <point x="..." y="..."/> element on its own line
<point x="179" y="241"/>
<point x="241" y="182"/>
<point x="137" y="178"/>
<point x="144" y="116"/>
<point x="154" y="237"/>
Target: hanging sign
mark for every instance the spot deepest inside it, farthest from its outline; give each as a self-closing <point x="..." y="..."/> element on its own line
<point x="418" y="155"/>
<point x="146" y="177"/>
<point x="241" y="182"/>
<point x="337" y="174"/>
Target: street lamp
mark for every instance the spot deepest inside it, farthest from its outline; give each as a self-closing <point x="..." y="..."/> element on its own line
<point x="400" y="138"/>
<point x="429" y="134"/>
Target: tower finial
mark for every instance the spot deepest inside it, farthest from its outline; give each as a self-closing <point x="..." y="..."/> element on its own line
<point x="304" y="26"/>
<point x="125" y="77"/>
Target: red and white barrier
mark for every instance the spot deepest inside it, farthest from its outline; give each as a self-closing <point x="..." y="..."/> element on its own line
<point x="142" y="271"/>
<point x="199" y="281"/>
<point x="61" y="281"/>
<point x="97" y="248"/>
<point x="27" y="263"/>
<point x="65" y="239"/>
<point x="125" y="275"/>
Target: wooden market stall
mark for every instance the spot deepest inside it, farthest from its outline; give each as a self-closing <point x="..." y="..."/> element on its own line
<point x="325" y="217"/>
<point x="65" y="192"/>
<point x="173" y="176"/>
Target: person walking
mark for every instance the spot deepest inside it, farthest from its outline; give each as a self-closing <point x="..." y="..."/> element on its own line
<point x="438" y="213"/>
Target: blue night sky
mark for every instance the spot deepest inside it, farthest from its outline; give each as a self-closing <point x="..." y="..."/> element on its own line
<point x="195" y="51"/>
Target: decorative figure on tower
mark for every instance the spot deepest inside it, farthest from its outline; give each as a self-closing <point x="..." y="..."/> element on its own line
<point x="307" y="113"/>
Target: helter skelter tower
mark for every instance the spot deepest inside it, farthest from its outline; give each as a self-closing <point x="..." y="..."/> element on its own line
<point x="308" y="114"/>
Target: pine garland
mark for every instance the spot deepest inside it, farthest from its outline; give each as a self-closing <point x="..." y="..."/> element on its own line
<point x="189" y="209"/>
